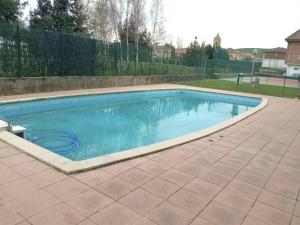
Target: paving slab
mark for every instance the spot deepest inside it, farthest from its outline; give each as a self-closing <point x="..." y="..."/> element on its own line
<point x="246" y="174"/>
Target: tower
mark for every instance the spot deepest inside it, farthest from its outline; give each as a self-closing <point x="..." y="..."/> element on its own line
<point x="217" y="41"/>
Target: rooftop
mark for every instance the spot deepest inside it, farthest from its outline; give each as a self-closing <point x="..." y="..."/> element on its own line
<point x="276" y="50"/>
<point x="294" y="37"/>
<point x="162" y="47"/>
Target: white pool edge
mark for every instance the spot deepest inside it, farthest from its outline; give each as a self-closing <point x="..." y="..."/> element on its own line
<point x="68" y="166"/>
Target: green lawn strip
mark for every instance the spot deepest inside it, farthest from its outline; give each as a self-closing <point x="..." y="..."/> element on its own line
<point x="263" y="89"/>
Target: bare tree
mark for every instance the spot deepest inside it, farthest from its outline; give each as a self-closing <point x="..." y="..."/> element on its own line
<point x="100" y="20"/>
<point x="116" y="9"/>
<point x="138" y="21"/>
<point x="127" y="14"/>
<point x="157" y="21"/>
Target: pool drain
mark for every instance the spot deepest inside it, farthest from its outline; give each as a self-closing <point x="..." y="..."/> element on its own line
<point x="61" y="142"/>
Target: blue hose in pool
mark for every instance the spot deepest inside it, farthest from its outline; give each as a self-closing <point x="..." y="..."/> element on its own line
<point x="71" y="140"/>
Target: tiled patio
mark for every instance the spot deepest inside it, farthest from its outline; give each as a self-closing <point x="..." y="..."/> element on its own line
<point x="247" y="174"/>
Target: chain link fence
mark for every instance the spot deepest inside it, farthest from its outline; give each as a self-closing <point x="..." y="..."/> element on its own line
<point x="38" y="52"/>
<point x="26" y="52"/>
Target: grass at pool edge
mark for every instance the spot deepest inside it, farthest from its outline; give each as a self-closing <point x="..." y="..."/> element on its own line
<point x="263" y="89"/>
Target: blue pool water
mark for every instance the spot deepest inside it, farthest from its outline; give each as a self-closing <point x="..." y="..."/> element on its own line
<point x="84" y="127"/>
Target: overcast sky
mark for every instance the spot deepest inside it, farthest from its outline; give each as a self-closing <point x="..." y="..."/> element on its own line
<point x="241" y="23"/>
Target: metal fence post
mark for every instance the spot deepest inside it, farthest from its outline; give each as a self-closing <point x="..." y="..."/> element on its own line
<point x="151" y="58"/>
<point x="62" y="53"/>
<point x="205" y="67"/>
<point x="18" y="42"/>
<point x="283" y="88"/>
<point x="93" y="64"/>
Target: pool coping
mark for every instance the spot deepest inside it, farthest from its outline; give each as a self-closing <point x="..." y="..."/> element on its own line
<point x="68" y="166"/>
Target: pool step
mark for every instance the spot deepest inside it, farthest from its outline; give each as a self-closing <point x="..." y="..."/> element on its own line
<point x="18" y="130"/>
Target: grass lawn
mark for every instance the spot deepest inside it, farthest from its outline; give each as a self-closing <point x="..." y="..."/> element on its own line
<point x="231" y="86"/>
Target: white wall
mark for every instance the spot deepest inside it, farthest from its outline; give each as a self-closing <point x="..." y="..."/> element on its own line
<point x="274" y="63"/>
<point x="161" y="55"/>
<point x="292" y="70"/>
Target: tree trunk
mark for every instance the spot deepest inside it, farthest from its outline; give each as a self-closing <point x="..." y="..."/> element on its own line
<point x="137" y="51"/>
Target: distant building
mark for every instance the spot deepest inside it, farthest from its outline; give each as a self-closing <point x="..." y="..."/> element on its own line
<point x="162" y="52"/>
<point x="179" y="52"/>
<point x="274" y="58"/>
<point x="237" y="55"/>
<point x="234" y="54"/>
<point x="217" y="41"/>
<point x="293" y="54"/>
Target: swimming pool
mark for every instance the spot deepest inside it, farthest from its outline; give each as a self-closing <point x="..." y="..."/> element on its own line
<point x="85" y="127"/>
